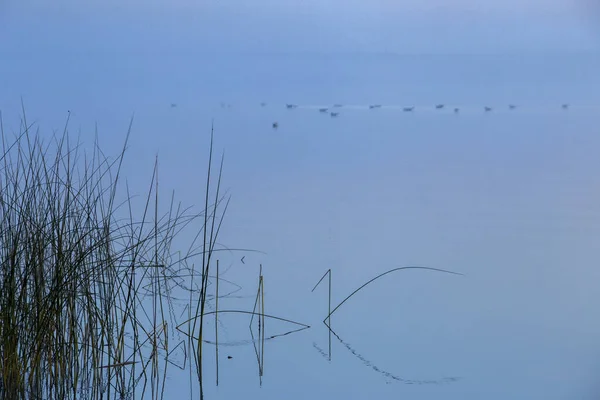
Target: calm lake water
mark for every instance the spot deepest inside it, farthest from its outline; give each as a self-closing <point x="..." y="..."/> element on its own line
<point x="509" y="198"/>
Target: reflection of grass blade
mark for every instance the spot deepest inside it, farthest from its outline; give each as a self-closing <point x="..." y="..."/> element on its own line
<point x="382" y="275"/>
<point x="247" y="342"/>
<point x="182" y="345"/>
<point x="304" y="326"/>
<point x="250" y="313"/>
<point x="260" y="351"/>
<point x="254" y="344"/>
<point x="321" y="352"/>
<point x="256" y="298"/>
<point x="262" y="320"/>
<point x="328" y="318"/>
<point x="217" y="325"/>
<point x="389" y="374"/>
<point x="257" y="353"/>
<point x="329" y="314"/>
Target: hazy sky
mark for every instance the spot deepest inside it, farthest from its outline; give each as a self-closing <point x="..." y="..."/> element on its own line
<point x="295" y="26"/>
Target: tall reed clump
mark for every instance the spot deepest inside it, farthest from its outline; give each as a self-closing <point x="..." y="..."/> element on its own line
<point x="85" y="306"/>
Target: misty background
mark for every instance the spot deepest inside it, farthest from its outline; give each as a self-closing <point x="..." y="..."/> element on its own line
<point x="509" y="198"/>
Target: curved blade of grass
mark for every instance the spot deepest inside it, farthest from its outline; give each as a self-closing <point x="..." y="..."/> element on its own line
<point x="382" y="275"/>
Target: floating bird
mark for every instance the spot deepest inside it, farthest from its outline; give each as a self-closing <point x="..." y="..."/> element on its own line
<point x="263" y="104"/>
<point x="486" y="108"/>
<point x="334" y="114"/>
<point x="372" y="106"/>
<point x="323" y="110"/>
<point x="512" y="106"/>
<point x="456" y="110"/>
<point x="275" y="125"/>
<point x="565" y="106"/>
<point x="439" y="106"/>
<point x="408" y="109"/>
<point x="229" y="357"/>
<point x="291" y="105"/>
<point x="173" y="105"/>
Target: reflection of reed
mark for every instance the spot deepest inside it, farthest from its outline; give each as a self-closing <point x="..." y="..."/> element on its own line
<point x="260" y="302"/>
<point x="321" y="351"/>
<point x="237" y="343"/>
<point x="217" y="325"/>
<point x="389" y="374"/>
<point x="327" y="323"/>
<point x="328" y="319"/>
<point x="302" y="327"/>
<point x="185" y="356"/>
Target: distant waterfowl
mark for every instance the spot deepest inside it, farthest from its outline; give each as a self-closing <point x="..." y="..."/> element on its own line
<point x="173" y="105"/>
<point x="439" y="106"/>
<point x="565" y="106"/>
<point x="275" y="125"/>
<point x="456" y="110"/>
<point x="323" y="110"/>
<point x="335" y="114"/>
<point x="408" y="109"/>
<point x="263" y="104"/>
<point x="291" y="105"/>
<point x="372" y="106"/>
<point x="487" y="109"/>
<point x="512" y="106"/>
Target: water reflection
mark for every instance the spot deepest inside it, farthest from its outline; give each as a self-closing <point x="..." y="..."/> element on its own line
<point x="383" y="372"/>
